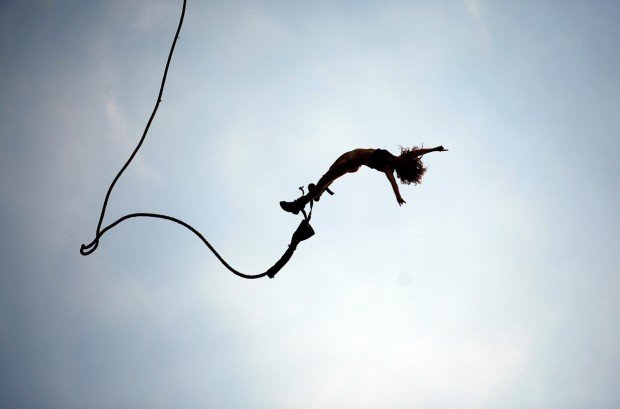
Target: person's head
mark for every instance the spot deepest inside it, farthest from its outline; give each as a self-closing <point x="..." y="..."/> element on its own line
<point x="409" y="167"/>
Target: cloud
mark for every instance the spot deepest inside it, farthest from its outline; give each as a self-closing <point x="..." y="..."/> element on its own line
<point x="154" y="13"/>
<point x="122" y="138"/>
<point x="474" y="7"/>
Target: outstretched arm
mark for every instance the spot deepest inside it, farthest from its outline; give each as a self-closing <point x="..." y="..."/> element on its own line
<point x="420" y="152"/>
<point x="390" y="176"/>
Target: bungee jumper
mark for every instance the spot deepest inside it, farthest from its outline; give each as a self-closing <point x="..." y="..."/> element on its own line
<point x="408" y="167"/>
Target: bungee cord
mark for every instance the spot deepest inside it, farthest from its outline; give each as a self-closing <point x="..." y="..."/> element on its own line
<point x="303" y="232"/>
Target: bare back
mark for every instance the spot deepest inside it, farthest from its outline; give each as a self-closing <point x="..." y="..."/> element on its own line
<point x="351" y="161"/>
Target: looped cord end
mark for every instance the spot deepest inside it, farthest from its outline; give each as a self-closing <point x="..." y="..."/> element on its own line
<point x="86" y="249"/>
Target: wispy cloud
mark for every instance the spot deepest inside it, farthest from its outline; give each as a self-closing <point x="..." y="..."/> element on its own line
<point x="475" y="9"/>
<point x="152" y="14"/>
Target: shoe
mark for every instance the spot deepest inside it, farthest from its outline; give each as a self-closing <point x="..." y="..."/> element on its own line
<point x="291" y="207"/>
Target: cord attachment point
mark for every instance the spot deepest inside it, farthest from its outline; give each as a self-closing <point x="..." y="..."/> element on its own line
<point x="304" y="232"/>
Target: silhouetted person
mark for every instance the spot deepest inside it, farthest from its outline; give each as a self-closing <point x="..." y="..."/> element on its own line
<point x="408" y="166"/>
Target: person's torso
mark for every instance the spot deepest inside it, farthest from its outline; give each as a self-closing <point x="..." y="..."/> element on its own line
<point x="378" y="159"/>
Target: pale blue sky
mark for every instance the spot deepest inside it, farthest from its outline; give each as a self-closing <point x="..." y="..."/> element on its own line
<point x="495" y="286"/>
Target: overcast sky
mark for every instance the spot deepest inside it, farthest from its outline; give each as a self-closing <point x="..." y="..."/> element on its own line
<point x="495" y="286"/>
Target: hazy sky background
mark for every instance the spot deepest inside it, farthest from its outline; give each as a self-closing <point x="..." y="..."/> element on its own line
<point x="495" y="286"/>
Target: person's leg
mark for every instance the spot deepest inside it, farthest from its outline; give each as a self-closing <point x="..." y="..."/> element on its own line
<point x="338" y="169"/>
<point x="314" y="191"/>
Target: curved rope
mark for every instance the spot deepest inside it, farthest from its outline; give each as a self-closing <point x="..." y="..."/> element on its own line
<point x="303" y="232"/>
<point x="184" y="224"/>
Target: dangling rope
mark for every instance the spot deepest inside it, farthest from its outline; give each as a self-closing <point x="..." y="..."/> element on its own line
<point x="303" y="232"/>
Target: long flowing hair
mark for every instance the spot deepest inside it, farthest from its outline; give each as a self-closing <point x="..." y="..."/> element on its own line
<point x="410" y="169"/>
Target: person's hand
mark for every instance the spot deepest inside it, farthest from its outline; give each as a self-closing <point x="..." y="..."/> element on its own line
<point x="400" y="201"/>
<point x="440" y="148"/>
